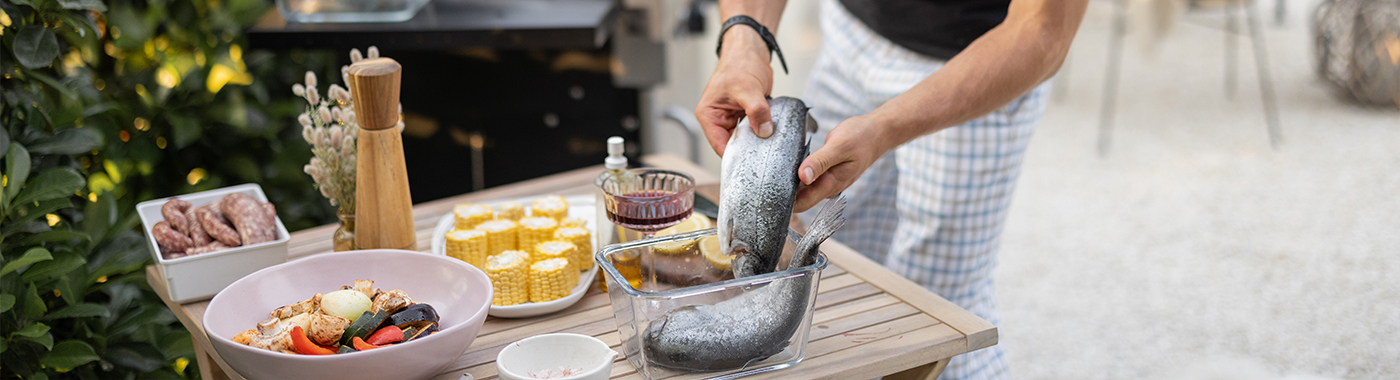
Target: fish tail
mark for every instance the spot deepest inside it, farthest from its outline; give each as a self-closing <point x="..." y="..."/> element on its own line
<point x="828" y="220"/>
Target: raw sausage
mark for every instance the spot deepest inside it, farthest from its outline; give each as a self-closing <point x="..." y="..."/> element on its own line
<point x="250" y="217"/>
<point x="216" y="226"/>
<point x="211" y="247"/>
<point x="196" y="230"/>
<point x="174" y="212"/>
<point x="171" y="240"/>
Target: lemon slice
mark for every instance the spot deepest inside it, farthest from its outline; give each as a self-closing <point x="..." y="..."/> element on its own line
<point x="695" y="222"/>
<point x="709" y="247"/>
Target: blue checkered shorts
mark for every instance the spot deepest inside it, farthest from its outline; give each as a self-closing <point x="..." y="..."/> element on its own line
<point x="933" y="209"/>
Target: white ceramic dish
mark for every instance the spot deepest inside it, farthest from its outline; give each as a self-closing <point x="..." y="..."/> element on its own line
<point x="459" y="292"/>
<point x="540" y="356"/>
<point x="199" y="277"/>
<point x="580" y="206"/>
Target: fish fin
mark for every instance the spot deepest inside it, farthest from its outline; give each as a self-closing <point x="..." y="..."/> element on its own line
<point x="742" y="257"/>
<point x="828" y="220"/>
<point x="811" y="122"/>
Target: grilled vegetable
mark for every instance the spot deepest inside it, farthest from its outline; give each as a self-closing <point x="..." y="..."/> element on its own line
<point x="362" y="346"/>
<point x="304" y="345"/>
<point x="413" y="313"/>
<point x="417" y="330"/>
<point x="363" y="326"/>
<point x="386" y="335"/>
<point x="348" y="304"/>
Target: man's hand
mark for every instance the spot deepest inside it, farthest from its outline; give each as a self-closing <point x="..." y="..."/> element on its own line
<point x="850" y="149"/>
<point x="739" y="88"/>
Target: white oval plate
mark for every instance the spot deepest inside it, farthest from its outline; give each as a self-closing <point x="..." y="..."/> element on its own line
<point x="580" y="206"/>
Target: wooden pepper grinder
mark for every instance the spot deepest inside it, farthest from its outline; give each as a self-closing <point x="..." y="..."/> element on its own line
<point x="384" y="208"/>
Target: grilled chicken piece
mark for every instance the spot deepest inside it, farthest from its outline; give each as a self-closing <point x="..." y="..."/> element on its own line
<point x="245" y="337"/>
<point x="326" y="329"/>
<point x="302" y="307"/>
<point x="391" y="301"/>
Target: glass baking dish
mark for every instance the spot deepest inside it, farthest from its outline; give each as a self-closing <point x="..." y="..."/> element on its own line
<point x="652" y="282"/>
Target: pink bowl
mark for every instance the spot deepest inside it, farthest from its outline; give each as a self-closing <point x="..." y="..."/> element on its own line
<point x="460" y="293"/>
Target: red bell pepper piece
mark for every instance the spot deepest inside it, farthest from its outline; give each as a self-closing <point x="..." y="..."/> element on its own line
<point x="304" y="345"/>
<point x="386" y="335"/>
<point x="361" y="345"/>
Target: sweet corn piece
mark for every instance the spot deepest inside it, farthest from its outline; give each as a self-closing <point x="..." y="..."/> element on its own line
<point x="583" y="243"/>
<point x="469" y="246"/>
<point x="510" y="278"/>
<point x="468" y="215"/>
<point x="574" y="222"/>
<point x="557" y="249"/>
<point x="535" y="230"/>
<point x="551" y="280"/>
<point x="552" y="206"/>
<point x="510" y="210"/>
<point x="500" y="235"/>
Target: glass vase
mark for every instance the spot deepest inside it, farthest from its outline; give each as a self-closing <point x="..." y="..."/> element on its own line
<point x="344" y="237"/>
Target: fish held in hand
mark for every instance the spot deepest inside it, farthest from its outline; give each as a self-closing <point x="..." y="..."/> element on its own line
<point x="758" y="187"/>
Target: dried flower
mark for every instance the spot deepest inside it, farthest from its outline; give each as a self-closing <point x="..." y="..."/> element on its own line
<point x="329" y="126"/>
<point x="373" y="52"/>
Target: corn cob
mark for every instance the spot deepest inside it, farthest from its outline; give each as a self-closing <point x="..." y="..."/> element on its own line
<point x="535" y="230"/>
<point x="500" y="235"/>
<point x="552" y="206"/>
<point x="551" y="280"/>
<point x="574" y="222"/>
<point x="511" y="210"/>
<point x="469" y="246"/>
<point x="583" y="243"/>
<point x="468" y="215"/>
<point x="509" y="277"/>
<point x="557" y="249"/>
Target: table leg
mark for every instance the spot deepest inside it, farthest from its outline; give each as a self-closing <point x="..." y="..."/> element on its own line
<point x="208" y="369"/>
<point x="924" y="372"/>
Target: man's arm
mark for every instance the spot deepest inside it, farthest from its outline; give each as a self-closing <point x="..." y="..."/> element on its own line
<point x="1011" y="59"/>
<point x="743" y="76"/>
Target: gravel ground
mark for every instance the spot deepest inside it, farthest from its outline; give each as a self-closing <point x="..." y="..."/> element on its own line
<point x="1194" y="250"/>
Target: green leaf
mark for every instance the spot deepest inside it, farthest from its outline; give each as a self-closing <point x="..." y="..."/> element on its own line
<point x="7" y="302"/>
<point x="33" y="330"/>
<point x="33" y="255"/>
<point x="21" y="223"/>
<point x="4" y="139"/>
<point x="64" y="263"/>
<point x="68" y="141"/>
<point x="33" y="305"/>
<point x="78" y="311"/>
<point x="68" y="354"/>
<point x="52" y="236"/>
<point x="3" y="346"/>
<point x="65" y="286"/>
<point x="55" y="83"/>
<point x="99" y="216"/>
<point x="92" y="5"/>
<point x="142" y="357"/>
<point x="45" y="340"/>
<point x="17" y="169"/>
<point x="184" y="129"/>
<point x="35" y="46"/>
<point x="51" y="184"/>
<point x="130" y="322"/>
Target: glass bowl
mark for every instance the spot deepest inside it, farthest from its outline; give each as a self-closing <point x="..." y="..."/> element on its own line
<point x="653" y="282"/>
<point x="349" y="10"/>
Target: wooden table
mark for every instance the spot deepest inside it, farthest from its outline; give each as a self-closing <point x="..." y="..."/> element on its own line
<point x="869" y="322"/>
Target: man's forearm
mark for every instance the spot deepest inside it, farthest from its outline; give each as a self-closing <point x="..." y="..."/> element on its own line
<point x="747" y="42"/>
<point x="1003" y="64"/>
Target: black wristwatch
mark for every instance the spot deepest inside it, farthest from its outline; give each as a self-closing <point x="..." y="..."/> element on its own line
<point x="763" y="32"/>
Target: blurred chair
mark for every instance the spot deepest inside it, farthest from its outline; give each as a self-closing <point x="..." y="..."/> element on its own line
<point x="1230" y="9"/>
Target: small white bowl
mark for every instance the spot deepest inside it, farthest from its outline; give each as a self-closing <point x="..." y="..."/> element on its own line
<point x="586" y="357"/>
